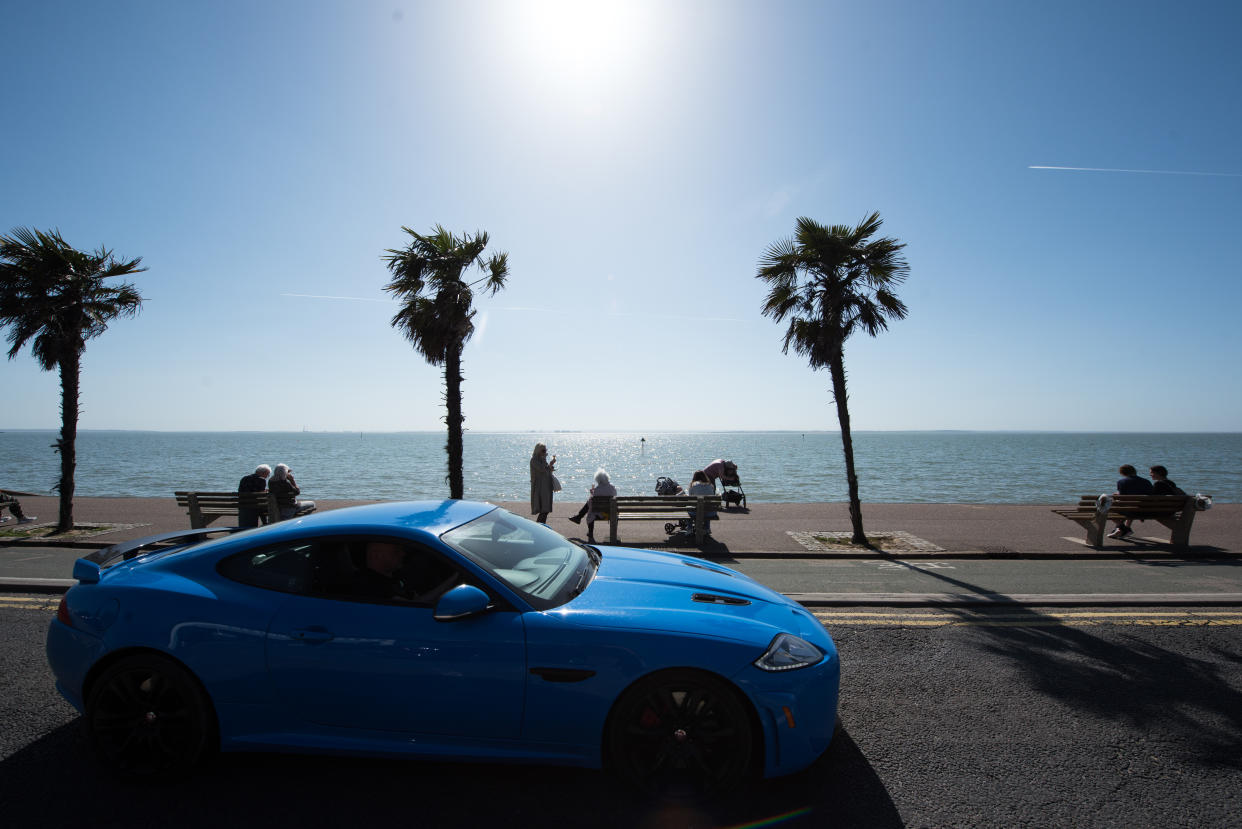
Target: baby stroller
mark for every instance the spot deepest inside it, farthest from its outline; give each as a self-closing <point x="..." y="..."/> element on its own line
<point x="683" y="528"/>
<point x="731" y="494"/>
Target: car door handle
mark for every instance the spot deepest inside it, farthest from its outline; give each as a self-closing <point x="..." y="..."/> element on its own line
<point x="563" y="674"/>
<point x="314" y="636"/>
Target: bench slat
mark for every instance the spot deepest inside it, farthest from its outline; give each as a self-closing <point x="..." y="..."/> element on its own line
<point x="1177" y="512"/>
<point x="205" y="507"/>
<point x="655" y="508"/>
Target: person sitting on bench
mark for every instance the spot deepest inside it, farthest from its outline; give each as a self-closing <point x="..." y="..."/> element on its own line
<point x="15" y="507"/>
<point x="603" y="486"/>
<point x="1129" y="484"/>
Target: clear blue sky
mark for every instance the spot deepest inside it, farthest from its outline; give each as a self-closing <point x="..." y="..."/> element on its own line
<point x="636" y="160"/>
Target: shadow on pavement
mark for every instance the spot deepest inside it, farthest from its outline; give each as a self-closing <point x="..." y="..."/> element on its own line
<point x="1152" y="689"/>
<point x="56" y="782"/>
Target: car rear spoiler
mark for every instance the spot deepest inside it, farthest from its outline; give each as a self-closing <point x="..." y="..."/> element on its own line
<point x="177" y="538"/>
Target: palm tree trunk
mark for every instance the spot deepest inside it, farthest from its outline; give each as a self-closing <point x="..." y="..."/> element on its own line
<point x="837" y="369"/>
<point x="70" y="369"/>
<point x="454" y="419"/>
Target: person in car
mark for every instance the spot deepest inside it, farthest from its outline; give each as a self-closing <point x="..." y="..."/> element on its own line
<point x="379" y="577"/>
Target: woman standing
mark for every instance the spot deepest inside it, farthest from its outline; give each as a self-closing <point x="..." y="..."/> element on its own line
<point x="541" y="483"/>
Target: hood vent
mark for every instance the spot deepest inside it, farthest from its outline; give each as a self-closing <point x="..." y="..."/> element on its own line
<point x="698" y="566"/>
<point x="712" y="598"/>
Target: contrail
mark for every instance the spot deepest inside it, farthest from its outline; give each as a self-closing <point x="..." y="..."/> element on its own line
<point x="1150" y="172"/>
<point x="353" y="298"/>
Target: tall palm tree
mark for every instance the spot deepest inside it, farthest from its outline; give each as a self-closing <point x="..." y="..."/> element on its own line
<point x="830" y="282"/>
<point x="437" y="312"/>
<point x="55" y="298"/>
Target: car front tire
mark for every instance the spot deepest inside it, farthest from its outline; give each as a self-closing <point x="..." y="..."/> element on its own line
<point x="148" y="718"/>
<point x="681" y="733"/>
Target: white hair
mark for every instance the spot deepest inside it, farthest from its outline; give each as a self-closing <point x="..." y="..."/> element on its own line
<point x="263" y="469"/>
<point x="280" y="472"/>
<point x="601" y="477"/>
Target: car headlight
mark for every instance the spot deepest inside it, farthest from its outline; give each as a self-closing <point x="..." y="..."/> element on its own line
<point x="787" y="652"/>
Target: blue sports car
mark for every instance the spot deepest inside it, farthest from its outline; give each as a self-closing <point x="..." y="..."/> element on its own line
<point x="448" y="630"/>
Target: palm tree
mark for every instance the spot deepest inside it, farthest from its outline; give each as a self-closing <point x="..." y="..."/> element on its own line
<point x="437" y="313"/>
<point x="831" y="282"/>
<point x="54" y="297"/>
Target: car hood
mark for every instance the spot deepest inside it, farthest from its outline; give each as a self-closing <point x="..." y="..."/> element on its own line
<point x="644" y="590"/>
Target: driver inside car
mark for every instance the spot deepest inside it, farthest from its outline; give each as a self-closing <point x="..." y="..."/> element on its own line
<point x="379" y="577"/>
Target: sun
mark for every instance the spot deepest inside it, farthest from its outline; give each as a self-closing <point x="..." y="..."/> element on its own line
<point x="581" y="46"/>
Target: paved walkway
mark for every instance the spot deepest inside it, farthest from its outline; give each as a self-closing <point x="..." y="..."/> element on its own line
<point x="790" y="532"/>
<point x="774" y="529"/>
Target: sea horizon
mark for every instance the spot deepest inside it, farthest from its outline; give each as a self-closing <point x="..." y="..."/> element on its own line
<point x="932" y="466"/>
<point x="642" y="432"/>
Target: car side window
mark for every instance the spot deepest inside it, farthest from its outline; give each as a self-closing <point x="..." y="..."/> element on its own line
<point x="379" y="569"/>
<point x="286" y="568"/>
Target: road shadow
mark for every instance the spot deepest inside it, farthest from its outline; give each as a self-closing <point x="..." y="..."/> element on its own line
<point x="1148" y="687"/>
<point x="55" y="781"/>
<point x="1130" y="545"/>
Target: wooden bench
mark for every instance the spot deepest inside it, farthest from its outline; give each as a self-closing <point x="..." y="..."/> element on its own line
<point x="1177" y="512"/>
<point x="617" y="508"/>
<point x="205" y="507"/>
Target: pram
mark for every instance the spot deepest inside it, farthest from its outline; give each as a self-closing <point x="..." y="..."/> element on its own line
<point x="731" y="494"/>
<point x="683" y="528"/>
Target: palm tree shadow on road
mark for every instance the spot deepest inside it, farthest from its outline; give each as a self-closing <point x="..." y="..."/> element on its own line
<point x="1143" y="684"/>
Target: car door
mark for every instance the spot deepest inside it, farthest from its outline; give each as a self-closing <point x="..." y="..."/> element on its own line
<point x="341" y="659"/>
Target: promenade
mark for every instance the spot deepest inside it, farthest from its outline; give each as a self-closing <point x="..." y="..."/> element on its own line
<point x="796" y="537"/>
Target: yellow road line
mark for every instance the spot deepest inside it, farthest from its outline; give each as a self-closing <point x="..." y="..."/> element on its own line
<point x="1189" y="618"/>
<point x="1093" y="614"/>
<point x="26" y="599"/>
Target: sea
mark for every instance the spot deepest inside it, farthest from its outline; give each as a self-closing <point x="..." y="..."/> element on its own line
<point x="774" y="467"/>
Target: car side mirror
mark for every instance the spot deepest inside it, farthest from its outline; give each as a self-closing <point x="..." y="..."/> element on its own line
<point x="461" y="602"/>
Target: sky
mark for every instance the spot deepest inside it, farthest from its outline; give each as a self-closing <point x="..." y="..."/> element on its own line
<point x="1066" y="177"/>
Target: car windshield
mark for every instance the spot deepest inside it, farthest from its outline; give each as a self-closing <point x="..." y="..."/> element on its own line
<point x="538" y="563"/>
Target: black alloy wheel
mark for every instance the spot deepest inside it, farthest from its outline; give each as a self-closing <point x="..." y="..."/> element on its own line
<point x="149" y="719"/>
<point x="679" y="734"/>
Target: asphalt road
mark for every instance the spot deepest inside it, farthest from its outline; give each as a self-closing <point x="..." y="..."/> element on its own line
<point x="958" y="718"/>
<point x="1153" y="576"/>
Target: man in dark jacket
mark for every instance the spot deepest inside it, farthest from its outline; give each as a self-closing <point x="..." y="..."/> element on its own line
<point x="254" y="482"/>
<point x="1129" y="484"/>
<point x="1160" y="483"/>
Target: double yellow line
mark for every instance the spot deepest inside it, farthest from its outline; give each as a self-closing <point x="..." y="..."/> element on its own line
<point x="48" y="603"/>
<point x="1042" y="618"/>
<point x="914" y="618"/>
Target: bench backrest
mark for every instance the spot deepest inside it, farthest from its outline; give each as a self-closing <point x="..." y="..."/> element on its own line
<point x="671" y="502"/>
<point x="249" y="500"/>
<point x="1162" y="504"/>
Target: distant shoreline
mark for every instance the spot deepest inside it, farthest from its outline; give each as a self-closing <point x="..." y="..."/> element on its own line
<point x="56" y="430"/>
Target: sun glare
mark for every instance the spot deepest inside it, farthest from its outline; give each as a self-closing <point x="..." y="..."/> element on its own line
<point x="581" y="45"/>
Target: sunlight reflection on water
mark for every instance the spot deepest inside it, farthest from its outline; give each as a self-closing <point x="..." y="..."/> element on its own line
<point x="936" y="467"/>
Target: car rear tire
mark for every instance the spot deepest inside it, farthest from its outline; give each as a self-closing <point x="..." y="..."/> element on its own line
<point x="148" y="718"/>
<point x="681" y="734"/>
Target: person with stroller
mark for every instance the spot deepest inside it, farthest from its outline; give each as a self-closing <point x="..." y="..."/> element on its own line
<point x="603" y="486"/>
<point x="713" y="472"/>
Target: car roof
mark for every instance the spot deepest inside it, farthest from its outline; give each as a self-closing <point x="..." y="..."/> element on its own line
<point x="434" y="517"/>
